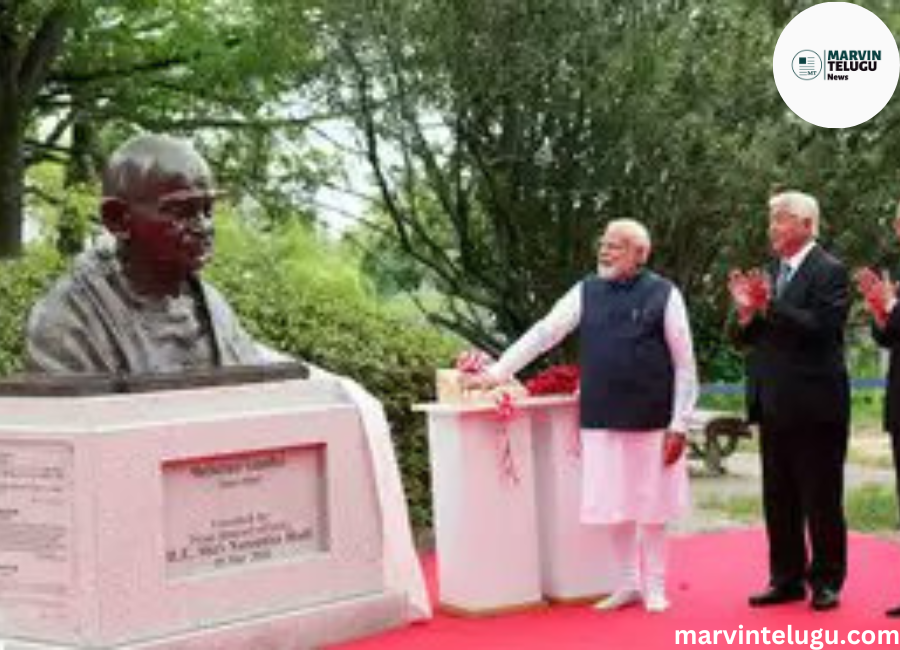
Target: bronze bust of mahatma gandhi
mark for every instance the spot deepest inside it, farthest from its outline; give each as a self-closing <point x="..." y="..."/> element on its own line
<point x="139" y="305"/>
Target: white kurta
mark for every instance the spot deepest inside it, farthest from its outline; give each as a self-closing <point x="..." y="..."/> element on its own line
<point x="624" y="477"/>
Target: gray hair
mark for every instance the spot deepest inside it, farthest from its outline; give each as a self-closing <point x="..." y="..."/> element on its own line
<point x="634" y="230"/>
<point x="799" y="205"/>
<point x="152" y="155"/>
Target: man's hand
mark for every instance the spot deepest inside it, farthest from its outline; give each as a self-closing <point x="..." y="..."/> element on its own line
<point x="477" y="380"/>
<point x="674" y="443"/>
<point x="878" y="292"/>
<point x="750" y="293"/>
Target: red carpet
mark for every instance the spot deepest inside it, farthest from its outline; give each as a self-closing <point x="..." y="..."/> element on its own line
<point x="710" y="577"/>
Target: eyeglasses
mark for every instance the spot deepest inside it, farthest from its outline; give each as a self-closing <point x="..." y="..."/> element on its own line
<point x="184" y="208"/>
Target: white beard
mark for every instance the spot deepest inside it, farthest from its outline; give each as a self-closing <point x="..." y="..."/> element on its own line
<point x="606" y="272"/>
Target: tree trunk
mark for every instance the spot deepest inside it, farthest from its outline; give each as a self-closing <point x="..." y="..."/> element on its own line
<point x="12" y="175"/>
<point x="23" y="69"/>
<point x="73" y="225"/>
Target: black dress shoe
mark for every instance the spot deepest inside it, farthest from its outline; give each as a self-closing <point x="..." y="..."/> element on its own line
<point x="824" y="599"/>
<point x="777" y="596"/>
<point x="893" y="612"/>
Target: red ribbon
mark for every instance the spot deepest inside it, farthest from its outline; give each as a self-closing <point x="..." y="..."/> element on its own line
<point x="554" y="381"/>
<point x="504" y="412"/>
<point x="473" y="361"/>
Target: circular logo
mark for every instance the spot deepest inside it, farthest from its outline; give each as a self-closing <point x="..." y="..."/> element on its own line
<point x="807" y="65"/>
<point x="836" y="65"/>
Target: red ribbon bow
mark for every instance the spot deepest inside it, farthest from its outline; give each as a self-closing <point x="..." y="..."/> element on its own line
<point x="504" y="412"/>
<point x="473" y="361"/>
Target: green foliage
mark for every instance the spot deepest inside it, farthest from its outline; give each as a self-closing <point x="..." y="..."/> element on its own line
<point x="718" y="359"/>
<point x="505" y="134"/>
<point x="233" y="76"/>
<point x="22" y="282"/>
<point x="559" y="117"/>
<point x="302" y="298"/>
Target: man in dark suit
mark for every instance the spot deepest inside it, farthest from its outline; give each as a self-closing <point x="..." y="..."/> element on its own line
<point x="792" y="318"/>
<point x="880" y="294"/>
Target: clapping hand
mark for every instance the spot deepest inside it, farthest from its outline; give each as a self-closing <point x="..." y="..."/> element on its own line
<point x="750" y="292"/>
<point x="879" y="293"/>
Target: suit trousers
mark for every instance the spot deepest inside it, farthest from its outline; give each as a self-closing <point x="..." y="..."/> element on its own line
<point x="895" y="447"/>
<point x="803" y="494"/>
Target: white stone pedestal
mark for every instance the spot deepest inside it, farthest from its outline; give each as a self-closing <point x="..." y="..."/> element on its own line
<point x="504" y="545"/>
<point x="235" y="518"/>
<point x="484" y="510"/>
<point x="576" y="560"/>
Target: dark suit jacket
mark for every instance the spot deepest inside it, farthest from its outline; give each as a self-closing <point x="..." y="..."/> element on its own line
<point x="889" y="338"/>
<point x="796" y="373"/>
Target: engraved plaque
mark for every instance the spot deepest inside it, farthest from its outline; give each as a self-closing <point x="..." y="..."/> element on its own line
<point x="36" y="521"/>
<point x="238" y="510"/>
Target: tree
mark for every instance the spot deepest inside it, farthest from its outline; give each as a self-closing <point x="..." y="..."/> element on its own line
<point x="226" y="73"/>
<point x="30" y="40"/>
<point x="526" y="125"/>
<point x="502" y="135"/>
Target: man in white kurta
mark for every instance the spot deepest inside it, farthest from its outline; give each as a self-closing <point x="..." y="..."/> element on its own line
<point x="140" y="307"/>
<point x="634" y="480"/>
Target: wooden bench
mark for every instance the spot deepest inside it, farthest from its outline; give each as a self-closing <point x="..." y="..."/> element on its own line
<point x="714" y="435"/>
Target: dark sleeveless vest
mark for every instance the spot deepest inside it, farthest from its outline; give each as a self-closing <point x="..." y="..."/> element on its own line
<point x="627" y="376"/>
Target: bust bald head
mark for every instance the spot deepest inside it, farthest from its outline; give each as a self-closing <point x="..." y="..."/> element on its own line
<point x="158" y="203"/>
<point x="137" y="168"/>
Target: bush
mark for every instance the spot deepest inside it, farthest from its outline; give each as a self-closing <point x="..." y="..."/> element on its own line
<point x="22" y="282"/>
<point x="303" y="298"/>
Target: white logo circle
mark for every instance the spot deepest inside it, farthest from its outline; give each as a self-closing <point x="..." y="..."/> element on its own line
<point x="836" y="65"/>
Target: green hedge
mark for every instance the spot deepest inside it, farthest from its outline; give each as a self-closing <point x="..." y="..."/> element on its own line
<point x="304" y="297"/>
<point x="300" y="298"/>
<point x="22" y="282"/>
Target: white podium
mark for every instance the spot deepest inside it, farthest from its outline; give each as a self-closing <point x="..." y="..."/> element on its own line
<point x="576" y="560"/>
<point x="485" y="518"/>
<point x="236" y="518"/>
<point x="506" y="544"/>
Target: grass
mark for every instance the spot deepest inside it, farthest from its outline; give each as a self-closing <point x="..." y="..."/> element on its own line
<point x="743" y="509"/>
<point x="867" y="458"/>
<point x="866" y="409"/>
<point x="872" y="508"/>
<point x="866" y="406"/>
<point x="869" y="508"/>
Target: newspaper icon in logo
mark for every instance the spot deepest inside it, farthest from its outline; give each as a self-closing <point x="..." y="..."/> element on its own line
<point x="807" y="64"/>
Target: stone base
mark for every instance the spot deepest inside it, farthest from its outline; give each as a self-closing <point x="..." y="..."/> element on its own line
<point x="489" y="612"/>
<point x="313" y="628"/>
<point x="576" y="600"/>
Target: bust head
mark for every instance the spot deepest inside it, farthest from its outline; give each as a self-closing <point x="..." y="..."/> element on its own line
<point x="157" y="202"/>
